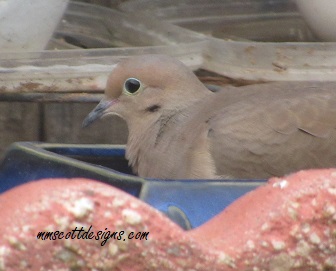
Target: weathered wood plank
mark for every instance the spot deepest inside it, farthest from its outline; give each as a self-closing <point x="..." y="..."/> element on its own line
<point x="18" y="122"/>
<point x="62" y="124"/>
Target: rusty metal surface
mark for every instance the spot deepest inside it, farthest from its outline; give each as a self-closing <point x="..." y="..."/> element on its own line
<point x="51" y="97"/>
<point x="32" y="92"/>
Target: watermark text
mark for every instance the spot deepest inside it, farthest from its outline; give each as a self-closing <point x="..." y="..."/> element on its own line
<point x="81" y="233"/>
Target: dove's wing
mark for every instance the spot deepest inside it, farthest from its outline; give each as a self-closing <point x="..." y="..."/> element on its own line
<point x="274" y="129"/>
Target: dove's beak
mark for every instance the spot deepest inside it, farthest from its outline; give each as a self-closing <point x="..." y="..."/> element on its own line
<point x="99" y="111"/>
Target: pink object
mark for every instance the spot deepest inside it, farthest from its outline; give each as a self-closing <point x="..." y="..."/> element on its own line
<point x="288" y="224"/>
<point x="63" y="205"/>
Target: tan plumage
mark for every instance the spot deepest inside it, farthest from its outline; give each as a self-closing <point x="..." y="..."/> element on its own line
<point x="180" y="129"/>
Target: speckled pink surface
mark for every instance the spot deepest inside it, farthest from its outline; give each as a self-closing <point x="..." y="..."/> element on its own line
<point x="288" y="224"/>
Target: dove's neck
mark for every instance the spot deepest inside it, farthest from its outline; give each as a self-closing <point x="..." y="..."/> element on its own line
<point x="153" y="136"/>
<point x="145" y="135"/>
<point x="183" y="100"/>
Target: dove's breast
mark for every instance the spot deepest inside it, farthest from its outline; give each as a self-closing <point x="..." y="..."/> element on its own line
<point x="173" y="149"/>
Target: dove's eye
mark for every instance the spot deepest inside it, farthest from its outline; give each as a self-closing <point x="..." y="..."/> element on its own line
<point x="132" y="86"/>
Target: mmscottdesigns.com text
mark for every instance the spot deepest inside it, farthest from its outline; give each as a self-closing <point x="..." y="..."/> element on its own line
<point x="88" y="234"/>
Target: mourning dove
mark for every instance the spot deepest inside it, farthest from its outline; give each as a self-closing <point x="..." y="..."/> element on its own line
<point x="179" y="129"/>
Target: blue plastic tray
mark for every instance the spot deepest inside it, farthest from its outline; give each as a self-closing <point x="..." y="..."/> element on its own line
<point x="189" y="203"/>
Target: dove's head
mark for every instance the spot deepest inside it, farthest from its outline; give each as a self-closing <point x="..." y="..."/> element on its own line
<point x="146" y="86"/>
